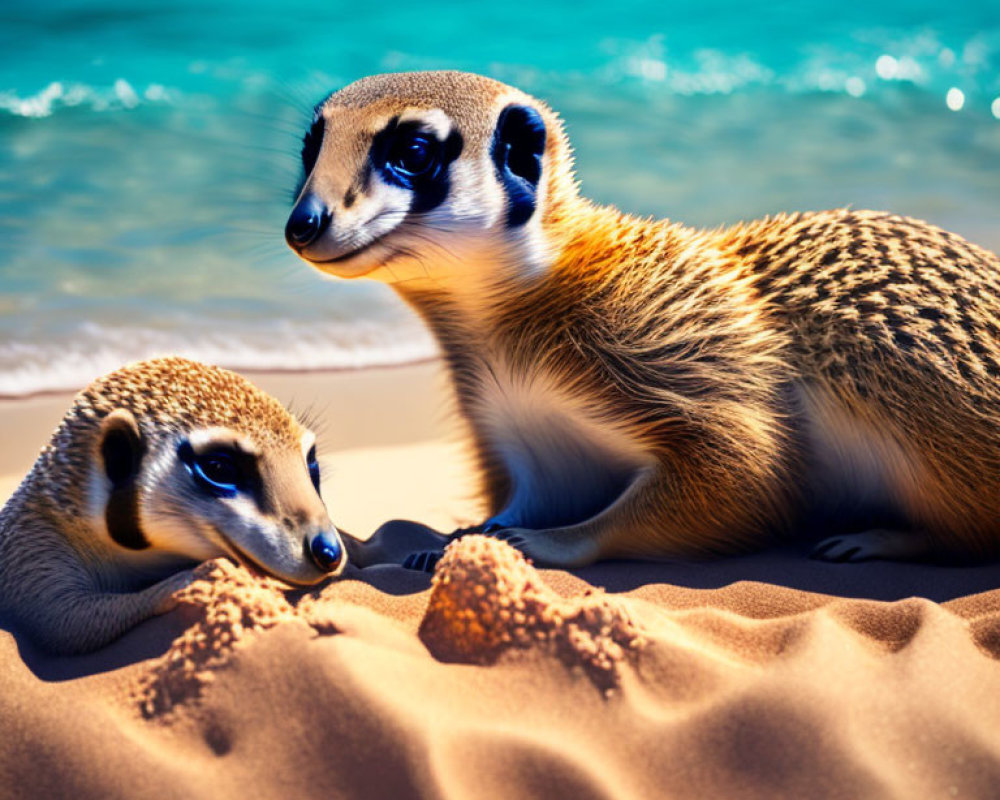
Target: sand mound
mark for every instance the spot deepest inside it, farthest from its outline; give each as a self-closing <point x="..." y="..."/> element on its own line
<point x="486" y="598"/>
<point x="234" y="604"/>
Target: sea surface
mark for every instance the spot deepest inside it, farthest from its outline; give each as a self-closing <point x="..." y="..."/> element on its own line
<point x="148" y="151"/>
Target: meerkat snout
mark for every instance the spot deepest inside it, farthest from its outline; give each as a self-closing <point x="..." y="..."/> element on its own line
<point x="155" y="467"/>
<point x="307" y="222"/>
<point x="326" y="551"/>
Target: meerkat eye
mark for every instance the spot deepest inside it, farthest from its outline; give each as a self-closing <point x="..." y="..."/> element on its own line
<point x="413" y="154"/>
<point x="217" y="472"/>
<point x="313" y="465"/>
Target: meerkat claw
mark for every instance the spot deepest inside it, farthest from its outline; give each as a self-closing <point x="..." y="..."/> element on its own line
<point x="489" y="528"/>
<point x="850" y="555"/>
<point x="839" y="550"/>
<point x="424" y="561"/>
<point x="820" y="550"/>
<point x="878" y="543"/>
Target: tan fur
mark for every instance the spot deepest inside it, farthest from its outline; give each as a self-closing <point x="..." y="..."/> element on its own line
<point x="166" y="395"/>
<point x="63" y="580"/>
<point x="742" y="366"/>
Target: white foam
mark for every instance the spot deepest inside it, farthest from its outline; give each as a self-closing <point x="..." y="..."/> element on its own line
<point x="31" y="367"/>
<point x="120" y="95"/>
<point x="715" y="72"/>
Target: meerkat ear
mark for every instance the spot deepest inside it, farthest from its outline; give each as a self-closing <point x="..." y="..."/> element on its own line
<point x="122" y="450"/>
<point x="518" y="146"/>
<point x="121" y="446"/>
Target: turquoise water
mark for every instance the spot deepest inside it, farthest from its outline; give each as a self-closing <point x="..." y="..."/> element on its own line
<point x="147" y="153"/>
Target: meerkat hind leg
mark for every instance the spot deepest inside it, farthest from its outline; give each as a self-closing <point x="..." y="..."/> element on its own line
<point x="572" y="545"/>
<point x="894" y="545"/>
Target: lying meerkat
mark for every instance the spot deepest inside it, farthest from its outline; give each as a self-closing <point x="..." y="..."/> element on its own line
<point x="155" y="467"/>
<point x="637" y="388"/>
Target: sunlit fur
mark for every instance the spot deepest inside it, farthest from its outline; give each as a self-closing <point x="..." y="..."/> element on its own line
<point x="741" y="376"/>
<point x="69" y="585"/>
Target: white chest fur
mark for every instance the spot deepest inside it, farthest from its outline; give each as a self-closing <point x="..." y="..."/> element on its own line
<point x="566" y="458"/>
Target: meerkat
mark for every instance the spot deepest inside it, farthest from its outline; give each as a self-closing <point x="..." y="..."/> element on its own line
<point x="155" y="467"/>
<point x="639" y="388"/>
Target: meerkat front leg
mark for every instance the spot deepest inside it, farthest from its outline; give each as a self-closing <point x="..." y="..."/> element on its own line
<point x="581" y="543"/>
<point x="76" y="620"/>
<point x="594" y="538"/>
<point x="665" y="510"/>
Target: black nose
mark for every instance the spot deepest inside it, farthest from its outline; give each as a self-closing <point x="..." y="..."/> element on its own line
<point x="326" y="551"/>
<point x="307" y="221"/>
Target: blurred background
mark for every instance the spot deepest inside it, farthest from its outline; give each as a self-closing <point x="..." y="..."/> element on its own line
<point x="148" y="150"/>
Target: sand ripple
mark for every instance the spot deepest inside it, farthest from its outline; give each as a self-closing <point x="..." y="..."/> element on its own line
<point x="482" y="685"/>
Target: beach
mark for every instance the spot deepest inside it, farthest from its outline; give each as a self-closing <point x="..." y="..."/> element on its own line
<point x="762" y="676"/>
<point x="149" y="158"/>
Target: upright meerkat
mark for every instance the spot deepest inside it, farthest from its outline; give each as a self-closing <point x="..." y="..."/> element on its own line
<point x="157" y="466"/>
<point x="638" y="388"/>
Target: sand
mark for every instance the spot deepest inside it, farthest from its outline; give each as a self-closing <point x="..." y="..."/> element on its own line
<point x="765" y="676"/>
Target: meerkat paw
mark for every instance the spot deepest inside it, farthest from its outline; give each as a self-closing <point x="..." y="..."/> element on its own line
<point x="877" y="543"/>
<point x="426" y="560"/>
<point x="552" y="548"/>
<point x="165" y="591"/>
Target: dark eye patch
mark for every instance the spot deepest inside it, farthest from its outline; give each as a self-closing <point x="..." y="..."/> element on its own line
<point x="408" y="155"/>
<point x="414" y="154"/>
<point x="310" y="145"/>
<point x="221" y="471"/>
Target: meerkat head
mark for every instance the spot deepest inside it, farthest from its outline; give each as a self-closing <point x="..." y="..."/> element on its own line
<point x="430" y="178"/>
<point x="184" y="460"/>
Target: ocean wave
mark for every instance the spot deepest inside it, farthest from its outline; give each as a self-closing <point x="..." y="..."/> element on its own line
<point x="120" y="95"/>
<point x="30" y="367"/>
<point x="923" y="62"/>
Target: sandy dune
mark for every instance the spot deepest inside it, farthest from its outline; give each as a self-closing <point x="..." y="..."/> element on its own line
<point x="763" y="676"/>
